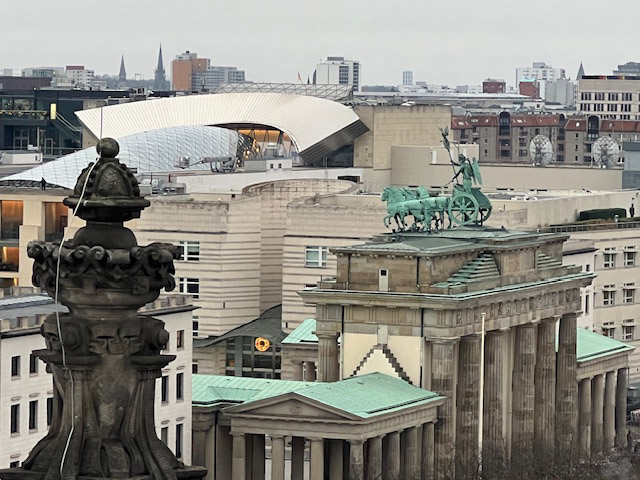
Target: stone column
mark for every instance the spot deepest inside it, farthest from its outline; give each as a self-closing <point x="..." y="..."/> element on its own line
<point x="468" y="403"/>
<point x="248" y="456"/>
<point x="610" y="410"/>
<point x="442" y="382"/>
<point x="391" y="457"/>
<point x="621" y="408"/>
<point x="566" y="385"/>
<point x="493" y="441"/>
<point x="328" y="369"/>
<point x="584" y="419"/>
<point x="356" y="460"/>
<point x="336" y="460"/>
<point x="316" y="468"/>
<point x="199" y="445"/>
<point x="374" y="459"/>
<point x="597" y="414"/>
<point x="413" y="461"/>
<point x="224" y="447"/>
<point x="523" y="392"/>
<point x="297" y="370"/>
<point x="545" y="386"/>
<point x="427" y="451"/>
<point x="277" y="458"/>
<point x="297" y="457"/>
<point x="309" y="371"/>
<point x="238" y="471"/>
<point x="257" y="468"/>
<point x="209" y="456"/>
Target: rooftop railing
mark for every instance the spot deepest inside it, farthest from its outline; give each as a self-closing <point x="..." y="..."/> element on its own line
<point x="591" y="227"/>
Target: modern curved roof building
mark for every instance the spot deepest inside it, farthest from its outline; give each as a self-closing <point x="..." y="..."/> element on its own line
<point x="148" y="151"/>
<point x="317" y="127"/>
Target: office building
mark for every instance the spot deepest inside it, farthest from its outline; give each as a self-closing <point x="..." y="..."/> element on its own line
<point x="407" y="77"/>
<point x="190" y="73"/>
<point x="491" y="85"/>
<point x="80" y="77"/>
<point x="629" y="68"/>
<point x="26" y="402"/>
<point x="610" y="97"/>
<point x="539" y="71"/>
<point x="337" y="70"/>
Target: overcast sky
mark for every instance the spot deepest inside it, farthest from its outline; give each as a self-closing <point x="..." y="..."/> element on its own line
<point x="452" y="42"/>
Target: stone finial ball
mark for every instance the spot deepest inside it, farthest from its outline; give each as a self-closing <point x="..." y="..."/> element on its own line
<point x="108" y="147"/>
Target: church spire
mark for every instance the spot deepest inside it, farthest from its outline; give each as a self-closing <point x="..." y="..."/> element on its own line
<point x="122" y="76"/>
<point x="580" y="72"/>
<point x="160" y="81"/>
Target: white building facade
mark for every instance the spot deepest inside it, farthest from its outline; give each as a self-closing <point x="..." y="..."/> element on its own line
<point x="26" y="389"/>
<point x="338" y="71"/>
<point x="540" y="71"/>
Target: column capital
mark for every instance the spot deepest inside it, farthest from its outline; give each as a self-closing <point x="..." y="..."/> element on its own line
<point x="327" y="335"/>
<point x="442" y="340"/>
<point x="357" y="441"/>
<point x="527" y="325"/>
<point x="315" y="439"/>
<point x="552" y="319"/>
<point x="473" y="337"/>
<point x="237" y="434"/>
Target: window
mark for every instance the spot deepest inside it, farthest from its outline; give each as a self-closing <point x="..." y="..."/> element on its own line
<point x="180" y="339"/>
<point x="190" y="286"/>
<point x="15" y="366"/>
<point x="189" y="251"/>
<point x="628" y="293"/>
<point x="33" y="364"/>
<point x="626" y="97"/>
<point x="14" y="464"/>
<point x="627" y="332"/>
<point x="33" y="415"/>
<point x="180" y="386"/>
<point x="195" y="326"/>
<point x="587" y="267"/>
<point x="194" y="367"/>
<point x="179" y="441"/>
<point x="164" y="435"/>
<point x="316" y="257"/>
<point x="608" y="332"/>
<point x="15" y="418"/>
<point x="586" y="304"/>
<point x="608" y="296"/>
<point x="629" y="259"/>
<point x="49" y="410"/>
<point x="609" y="258"/>
<point x="165" y="389"/>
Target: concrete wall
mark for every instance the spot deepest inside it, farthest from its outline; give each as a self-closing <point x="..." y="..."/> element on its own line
<point x="408" y="167"/>
<point x="395" y="125"/>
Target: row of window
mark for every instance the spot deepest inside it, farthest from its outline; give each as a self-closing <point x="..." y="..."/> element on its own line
<point x="164" y="436"/>
<point x="15" y="366"/>
<point x="628" y="331"/>
<point x="611" y="97"/>
<point x="609" y="294"/>
<point x="609" y="260"/>
<point x="14" y="427"/>
<point x="164" y="390"/>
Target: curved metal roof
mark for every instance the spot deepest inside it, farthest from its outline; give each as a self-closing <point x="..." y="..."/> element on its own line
<point x="151" y="151"/>
<point x="316" y="126"/>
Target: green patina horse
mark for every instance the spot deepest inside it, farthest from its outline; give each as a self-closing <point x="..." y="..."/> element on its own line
<point x="425" y="210"/>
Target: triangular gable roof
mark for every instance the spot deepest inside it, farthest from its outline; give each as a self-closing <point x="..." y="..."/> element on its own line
<point x="303" y="334"/>
<point x="355" y="398"/>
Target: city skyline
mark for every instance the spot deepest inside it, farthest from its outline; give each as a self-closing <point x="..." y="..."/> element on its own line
<point x="302" y="37"/>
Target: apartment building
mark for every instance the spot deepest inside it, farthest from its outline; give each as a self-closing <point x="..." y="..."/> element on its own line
<point x="338" y="71"/>
<point x="189" y="72"/>
<point x="613" y="97"/>
<point x="616" y="304"/>
<point x="505" y="137"/>
<point x="26" y="389"/>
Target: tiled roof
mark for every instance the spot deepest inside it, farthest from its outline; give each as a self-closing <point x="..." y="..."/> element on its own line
<point x="364" y="396"/>
<point x="576" y="125"/>
<point x="213" y="389"/>
<point x="620" y="126"/>
<point x="591" y="345"/>
<point x="535" y="121"/>
<point x="368" y="395"/>
<point x="303" y="333"/>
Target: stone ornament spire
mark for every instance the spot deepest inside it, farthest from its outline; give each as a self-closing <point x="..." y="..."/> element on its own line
<point x="105" y="358"/>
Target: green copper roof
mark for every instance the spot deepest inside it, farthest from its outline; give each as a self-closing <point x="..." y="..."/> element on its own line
<point x="212" y="389"/>
<point x="591" y="345"/>
<point x="303" y="333"/>
<point x="368" y="395"/>
<point x="363" y="396"/>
